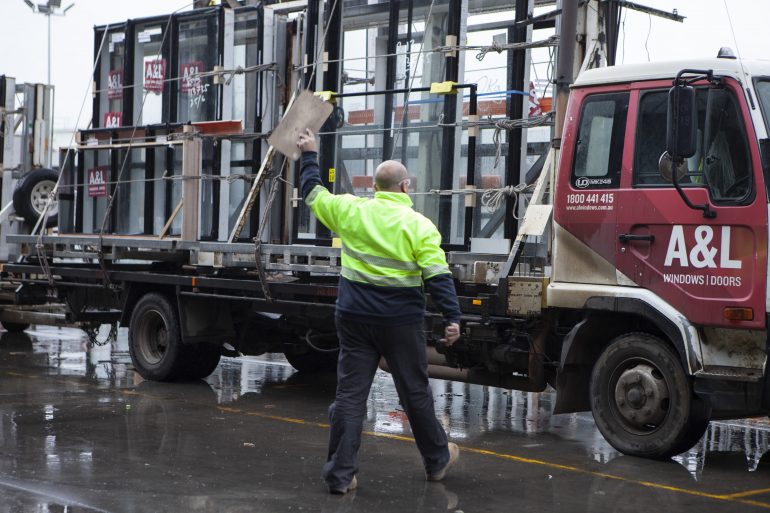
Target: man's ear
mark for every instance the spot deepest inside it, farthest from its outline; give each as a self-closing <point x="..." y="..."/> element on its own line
<point x="376" y="188"/>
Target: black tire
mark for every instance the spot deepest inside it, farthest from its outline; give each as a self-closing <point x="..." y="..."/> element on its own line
<point x="155" y="341"/>
<point x="15" y="327"/>
<point x="18" y="342"/>
<point x="201" y="360"/>
<point x="700" y="416"/>
<point x="642" y="400"/>
<point x="31" y="194"/>
<point x="313" y="361"/>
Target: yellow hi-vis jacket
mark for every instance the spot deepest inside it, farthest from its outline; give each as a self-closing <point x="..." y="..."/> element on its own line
<point x="384" y="242"/>
<point x="389" y="252"/>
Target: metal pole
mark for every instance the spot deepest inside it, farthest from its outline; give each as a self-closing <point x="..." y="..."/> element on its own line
<point x="49" y="48"/>
<point x="331" y="82"/>
<point x="517" y="60"/>
<point x="407" y="74"/>
<point x="470" y="176"/>
<point x="313" y="18"/>
<point x="454" y="22"/>
<point x="564" y="69"/>
<point x="390" y="79"/>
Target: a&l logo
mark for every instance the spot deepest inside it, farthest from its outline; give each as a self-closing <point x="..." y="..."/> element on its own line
<point x="702" y="254"/>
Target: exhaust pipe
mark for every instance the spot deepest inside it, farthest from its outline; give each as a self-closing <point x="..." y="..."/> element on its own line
<point x="533" y="382"/>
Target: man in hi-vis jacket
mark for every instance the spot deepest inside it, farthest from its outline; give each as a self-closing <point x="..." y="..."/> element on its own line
<point x="389" y="253"/>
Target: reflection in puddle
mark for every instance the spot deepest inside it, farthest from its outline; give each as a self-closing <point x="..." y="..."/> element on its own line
<point x="66" y="352"/>
<point x="473" y="415"/>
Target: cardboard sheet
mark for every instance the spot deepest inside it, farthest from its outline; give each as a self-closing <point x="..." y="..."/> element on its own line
<point x="307" y="111"/>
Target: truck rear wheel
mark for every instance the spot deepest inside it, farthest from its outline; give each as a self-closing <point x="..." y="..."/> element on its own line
<point x="201" y="360"/>
<point x="155" y="341"/>
<point x="313" y="361"/>
<point x="642" y="400"/>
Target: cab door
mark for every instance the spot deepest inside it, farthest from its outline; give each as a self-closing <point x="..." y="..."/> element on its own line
<point x="585" y="214"/>
<point x="712" y="270"/>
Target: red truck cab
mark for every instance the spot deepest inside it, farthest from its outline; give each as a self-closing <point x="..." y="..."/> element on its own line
<point x="675" y="281"/>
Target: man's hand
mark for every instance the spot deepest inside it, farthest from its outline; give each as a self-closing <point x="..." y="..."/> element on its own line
<point x="307" y="141"/>
<point x="451" y="333"/>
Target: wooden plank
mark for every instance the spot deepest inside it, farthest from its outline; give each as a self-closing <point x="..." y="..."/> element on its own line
<point x="167" y="226"/>
<point x="191" y="172"/>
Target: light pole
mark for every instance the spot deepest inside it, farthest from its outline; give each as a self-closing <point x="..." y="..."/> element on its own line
<point x="50" y="8"/>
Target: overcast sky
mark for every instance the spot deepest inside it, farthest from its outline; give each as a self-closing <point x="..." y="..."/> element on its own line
<point x="23" y="38"/>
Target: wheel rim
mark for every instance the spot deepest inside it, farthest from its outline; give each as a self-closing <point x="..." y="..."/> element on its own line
<point x="39" y="197"/>
<point x="153" y="338"/>
<point x="639" y="396"/>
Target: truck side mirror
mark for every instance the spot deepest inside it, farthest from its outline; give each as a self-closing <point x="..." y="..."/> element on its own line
<point x="682" y="125"/>
<point x="668" y="167"/>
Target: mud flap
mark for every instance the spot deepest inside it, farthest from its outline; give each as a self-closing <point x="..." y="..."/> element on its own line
<point x="203" y="319"/>
<point x="572" y="389"/>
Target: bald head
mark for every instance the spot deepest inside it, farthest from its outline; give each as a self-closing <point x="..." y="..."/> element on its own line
<point x="389" y="176"/>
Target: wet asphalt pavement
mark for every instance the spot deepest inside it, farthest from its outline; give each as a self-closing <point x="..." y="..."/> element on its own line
<point x="81" y="432"/>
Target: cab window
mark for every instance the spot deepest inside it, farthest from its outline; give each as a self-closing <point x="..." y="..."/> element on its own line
<point x="599" y="146"/>
<point x="721" y="162"/>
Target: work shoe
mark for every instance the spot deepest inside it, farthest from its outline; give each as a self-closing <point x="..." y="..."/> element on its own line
<point x="349" y="488"/>
<point x="454" y="455"/>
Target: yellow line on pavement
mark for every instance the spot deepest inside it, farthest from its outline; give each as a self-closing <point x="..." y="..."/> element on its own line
<point x="228" y="409"/>
<point x="748" y="493"/>
<point x="736" y="498"/>
<point x="569" y="468"/>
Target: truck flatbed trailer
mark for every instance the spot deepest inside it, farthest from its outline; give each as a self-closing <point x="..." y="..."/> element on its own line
<point x="292" y="312"/>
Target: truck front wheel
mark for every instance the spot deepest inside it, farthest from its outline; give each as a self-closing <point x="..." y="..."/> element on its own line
<point x="154" y="339"/>
<point x="642" y="400"/>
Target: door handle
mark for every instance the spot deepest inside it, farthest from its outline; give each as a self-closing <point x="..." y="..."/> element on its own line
<point x="627" y="237"/>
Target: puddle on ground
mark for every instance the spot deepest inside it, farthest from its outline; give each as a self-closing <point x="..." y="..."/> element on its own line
<point x="471" y="414"/>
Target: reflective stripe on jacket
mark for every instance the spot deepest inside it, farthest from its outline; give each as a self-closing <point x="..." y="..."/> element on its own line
<point x="384" y="242"/>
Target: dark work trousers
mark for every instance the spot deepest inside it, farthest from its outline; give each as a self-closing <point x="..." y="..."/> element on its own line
<point x="361" y="346"/>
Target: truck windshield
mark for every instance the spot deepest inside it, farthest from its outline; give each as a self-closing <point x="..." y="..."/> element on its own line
<point x="762" y="87"/>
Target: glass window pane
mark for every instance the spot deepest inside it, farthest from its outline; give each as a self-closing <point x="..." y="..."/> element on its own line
<point x="599" y="146"/>
<point x="208" y="191"/>
<point x="413" y="137"/>
<point x="66" y="194"/>
<point x="198" y="52"/>
<point x="721" y="160"/>
<point x="650" y="137"/>
<point x="726" y="163"/>
<point x="244" y="86"/>
<point x="150" y="73"/>
<point x="111" y="80"/>
<point x="96" y="189"/>
<point x="763" y="93"/>
<point x="129" y="200"/>
<point x="240" y="153"/>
